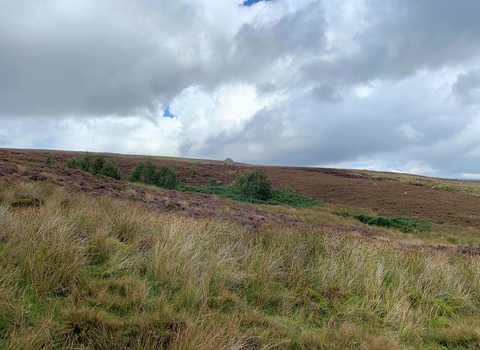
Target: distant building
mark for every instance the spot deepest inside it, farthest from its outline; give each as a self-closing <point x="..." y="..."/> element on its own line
<point x="228" y="161"/>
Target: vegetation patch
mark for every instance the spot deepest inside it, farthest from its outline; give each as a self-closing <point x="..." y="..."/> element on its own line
<point x="278" y="197"/>
<point x="399" y="222"/>
<point x="253" y="188"/>
<point x="97" y="165"/>
<point x="25" y="202"/>
<point x="148" y="174"/>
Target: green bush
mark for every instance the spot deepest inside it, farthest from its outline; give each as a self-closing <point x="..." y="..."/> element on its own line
<point x="402" y="223"/>
<point x="111" y="169"/>
<point x="86" y="162"/>
<point x="72" y="163"/>
<point x="150" y="172"/>
<point x="213" y="182"/>
<point x="167" y="178"/>
<point x="95" y="165"/>
<point x="138" y="173"/>
<point x="255" y="186"/>
<point x="48" y="159"/>
<point x="98" y="164"/>
<point x="147" y="173"/>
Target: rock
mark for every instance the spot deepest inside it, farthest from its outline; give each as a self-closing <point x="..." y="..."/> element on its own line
<point x="228" y="161"/>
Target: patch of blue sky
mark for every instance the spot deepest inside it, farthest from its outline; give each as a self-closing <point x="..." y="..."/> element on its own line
<point x="252" y="2"/>
<point x="167" y="113"/>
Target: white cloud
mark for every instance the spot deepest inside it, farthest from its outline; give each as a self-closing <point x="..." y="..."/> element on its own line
<point x="468" y="176"/>
<point x="380" y="83"/>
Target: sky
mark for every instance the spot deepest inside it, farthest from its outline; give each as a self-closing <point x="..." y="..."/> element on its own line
<point x="364" y="84"/>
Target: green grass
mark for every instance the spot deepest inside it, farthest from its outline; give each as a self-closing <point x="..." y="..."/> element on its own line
<point x="402" y="223"/>
<point x="100" y="273"/>
<point x="280" y="197"/>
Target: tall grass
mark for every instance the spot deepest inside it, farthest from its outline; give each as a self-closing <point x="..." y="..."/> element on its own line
<point x="84" y="273"/>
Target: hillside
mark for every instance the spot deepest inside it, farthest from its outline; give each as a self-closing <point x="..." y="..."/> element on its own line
<point x="442" y="201"/>
<point x="89" y="262"/>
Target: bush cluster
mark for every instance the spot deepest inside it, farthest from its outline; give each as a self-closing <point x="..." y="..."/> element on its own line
<point x="255" y="186"/>
<point x="147" y="173"/>
<point x="96" y="165"/>
<point x="402" y="223"/>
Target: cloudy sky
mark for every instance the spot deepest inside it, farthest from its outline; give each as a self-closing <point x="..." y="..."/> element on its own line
<point x="373" y="84"/>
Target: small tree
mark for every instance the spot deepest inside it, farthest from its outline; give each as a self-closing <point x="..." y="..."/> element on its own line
<point x="111" y="169"/>
<point x="255" y="186"/>
<point x="86" y="162"/>
<point x="150" y="172"/>
<point x="167" y="178"/>
<point x="98" y="164"/>
<point x="213" y="182"/>
<point x="72" y="163"/>
<point x="48" y="159"/>
<point x="138" y="173"/>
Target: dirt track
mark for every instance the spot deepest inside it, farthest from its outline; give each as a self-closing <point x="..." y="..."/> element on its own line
<point x="383" y="196"/>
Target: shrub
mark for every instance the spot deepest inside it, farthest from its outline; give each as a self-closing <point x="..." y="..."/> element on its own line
<point x="167" y="178"/>
<point x="111" y="169"/>
<point x="48" y="159"/>
<point x="138" y="173"/>
<point x="98" y="164"/>
<point x="150" y="172"/>
<point x="147" y="173"/>
<point x="95" y="165"/>
<point x="213" y="182"/>
<point x="402" y="223"/>
<point x="86" y="162"/>
<point x="255" y="186"/>
<point x="72" y="163"/>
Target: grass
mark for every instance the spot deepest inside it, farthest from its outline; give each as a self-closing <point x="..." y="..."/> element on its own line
<point x="280" y="197"/>
<point x="437" y="235"/>
<point x="99" y="273"/>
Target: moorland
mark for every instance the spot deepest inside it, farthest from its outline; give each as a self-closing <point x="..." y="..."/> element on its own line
<point x="342" y="259"/>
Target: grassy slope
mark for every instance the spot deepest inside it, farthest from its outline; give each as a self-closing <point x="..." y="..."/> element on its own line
<point x="84" y="273"/>
<point x="463" y="186"/>
<point x="438" y="235"/>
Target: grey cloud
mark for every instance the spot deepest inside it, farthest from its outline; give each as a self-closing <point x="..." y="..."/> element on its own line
<point x="467" y="88"/>
<point x="294" y="35"/>
<point x="122" y="57"/>
<point x="404" y="36"/>
<point x="325" y="93"/>
<point x="395" y="119"/>
<point x="289" y="137"/>
<point x="60" y="62"/>
<point x="301" y="30"/>
<point x="265" y="88"/>
<point x="265" y="126"/>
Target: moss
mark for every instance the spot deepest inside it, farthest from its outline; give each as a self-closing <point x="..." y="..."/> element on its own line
<point x="26" y="202"/>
